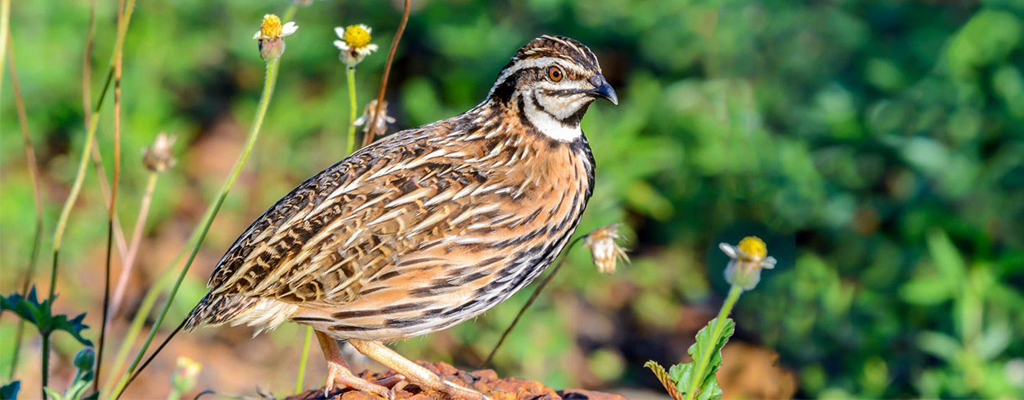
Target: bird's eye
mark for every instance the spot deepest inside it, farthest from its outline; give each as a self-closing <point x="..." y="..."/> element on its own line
<point x="555" y="74"/>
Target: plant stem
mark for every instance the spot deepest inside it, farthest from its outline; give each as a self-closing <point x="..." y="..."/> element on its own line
<point x="387" y="72"/>
<point x="87" y="64"/>
<point x="83" y="165"/>
<point x="45" y="364"/>
<point x="101" y="175"/>
<point x="268" y="91"/>
<point x="33" y="173"/>
<point x="716" y="332"/>
<point x="302" y="361"/>
<point x="139" y="321"/>
<point x="289" y="13"/>
<point x="133" y="249"/>
<point x="5" y="19"/>
<point x="118" y="60"/>
<point x="350" y="73"/>
<point x="533" y="297"/>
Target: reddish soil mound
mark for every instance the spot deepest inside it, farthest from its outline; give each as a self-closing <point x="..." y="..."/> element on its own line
<point x="484" y="381"/>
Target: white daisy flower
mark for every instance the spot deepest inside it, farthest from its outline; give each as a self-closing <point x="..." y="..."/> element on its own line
<point x="354" y="44"/>
<point x="747" y="260"/>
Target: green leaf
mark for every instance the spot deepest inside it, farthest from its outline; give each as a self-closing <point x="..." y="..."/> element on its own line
<point x="711" y="390"/>
<point x="52" y="394"/>
<point x="10" y="391"/>
<point x="925" y="291"/>
<point x="948" y="261"/>
<point x="665" y="378"/>
<point x="940" y="345"/>
<point x="706" y="350"/>
<point x="698" y="349"/>
<point x="681" y="374"/>
<point x="40" y="314"/>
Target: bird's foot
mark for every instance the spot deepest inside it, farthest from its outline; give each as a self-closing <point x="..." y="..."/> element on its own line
<point x="417" y="374"/>
<point x="339" y="376"/>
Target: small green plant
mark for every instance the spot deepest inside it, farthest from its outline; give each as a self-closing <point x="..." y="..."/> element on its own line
<point x="84" y="361"/>
<point x="696" y="379"/>
<point x="40" y="314"/>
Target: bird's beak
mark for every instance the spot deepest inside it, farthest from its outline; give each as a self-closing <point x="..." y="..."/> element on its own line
<point x="603" y="89"/>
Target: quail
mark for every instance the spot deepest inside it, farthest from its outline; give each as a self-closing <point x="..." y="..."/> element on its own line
<point x="424" y="228"/>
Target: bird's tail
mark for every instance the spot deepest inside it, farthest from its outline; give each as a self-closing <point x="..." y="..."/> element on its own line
<point x="216" y="309"/>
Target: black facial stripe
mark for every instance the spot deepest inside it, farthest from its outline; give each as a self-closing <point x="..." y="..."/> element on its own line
<point x="569" y="124"/>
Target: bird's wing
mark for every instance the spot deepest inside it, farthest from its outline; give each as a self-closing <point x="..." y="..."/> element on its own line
<point x="348" y="224"/>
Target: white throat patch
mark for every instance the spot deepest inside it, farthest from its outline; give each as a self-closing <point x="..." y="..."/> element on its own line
<point x="548" y="125"/>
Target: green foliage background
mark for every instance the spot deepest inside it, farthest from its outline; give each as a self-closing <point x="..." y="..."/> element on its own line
<point x="877" y="146"/>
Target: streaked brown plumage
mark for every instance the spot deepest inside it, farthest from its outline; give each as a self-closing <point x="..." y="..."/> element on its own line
<point x="428" y="227"/>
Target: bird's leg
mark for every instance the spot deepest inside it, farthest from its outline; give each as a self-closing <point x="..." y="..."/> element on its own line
<point x="412" y="371"/>
<point x="339" y="374"/>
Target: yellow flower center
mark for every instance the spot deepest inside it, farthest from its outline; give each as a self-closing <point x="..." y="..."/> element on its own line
<point x="753" y="246"/>
<point x="356" y="36"/>
<point x="271" y="26"/>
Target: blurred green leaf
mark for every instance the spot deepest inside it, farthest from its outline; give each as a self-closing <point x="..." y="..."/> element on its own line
<point x="939" y="345"/>
<point x="947" y="258"/>
<point x="925" y="290"/>
<point x="10" y="391"/>
<point x="39" y="314"/>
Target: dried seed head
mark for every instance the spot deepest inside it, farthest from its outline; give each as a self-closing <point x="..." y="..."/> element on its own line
<point x="381" y="124"/>
<point x="605" y="249"/>
<point x="747" y="260"/>
<point x="159" y="156"/>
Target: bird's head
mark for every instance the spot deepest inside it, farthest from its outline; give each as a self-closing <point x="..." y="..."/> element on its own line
<point x="552" y="80"/>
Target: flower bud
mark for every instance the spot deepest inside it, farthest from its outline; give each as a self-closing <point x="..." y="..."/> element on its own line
<point x="184" y="378"/>
<point x="271" y="49"/>
<point x="84" y="359"/>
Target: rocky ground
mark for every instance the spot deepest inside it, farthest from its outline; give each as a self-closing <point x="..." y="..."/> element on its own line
<point x="485" y="381"/>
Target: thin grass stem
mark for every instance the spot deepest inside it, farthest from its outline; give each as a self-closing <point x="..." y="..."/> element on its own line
<point x="133" y="248"/>
<point x="533" y="297"/>
<point x="101" y="174"/>
<point x="83" y="165"/>
<point x="139" y="321"/>
<point x="302" y="361"/>
<point x="87" y="64"/>
<point x="33" y="173"/>
<point x="5" y="20"/>
<point x="118" y="63"/>
<point x="45" y="362"/>
<point x="384" y="80"/>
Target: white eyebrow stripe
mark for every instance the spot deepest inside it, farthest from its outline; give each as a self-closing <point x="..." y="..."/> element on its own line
<point x="534" y="63"/>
